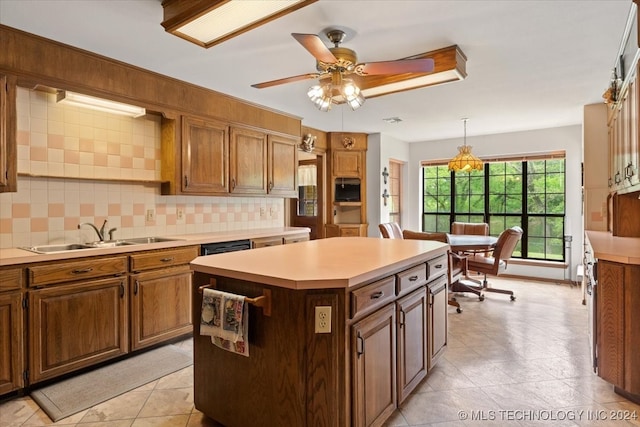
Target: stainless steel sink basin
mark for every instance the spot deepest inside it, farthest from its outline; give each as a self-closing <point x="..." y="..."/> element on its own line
<point x="141" y="240"/>
<point x="109" y="244"/>
<point x="49" y="249"/>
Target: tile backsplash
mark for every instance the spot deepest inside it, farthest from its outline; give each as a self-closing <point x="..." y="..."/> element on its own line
<point x="58" y="144"/>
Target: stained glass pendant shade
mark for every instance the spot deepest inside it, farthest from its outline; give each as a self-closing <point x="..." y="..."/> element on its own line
<point x="465" y="161"/>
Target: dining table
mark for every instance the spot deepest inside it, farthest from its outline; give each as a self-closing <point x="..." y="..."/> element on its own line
<point x="471" y="242"/>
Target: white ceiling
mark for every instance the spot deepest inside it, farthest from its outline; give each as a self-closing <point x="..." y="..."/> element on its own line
<point x="531" y="64"/>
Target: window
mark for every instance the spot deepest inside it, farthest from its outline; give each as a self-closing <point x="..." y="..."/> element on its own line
<point x="529" y="194"/>
<point x="395" y="192"/>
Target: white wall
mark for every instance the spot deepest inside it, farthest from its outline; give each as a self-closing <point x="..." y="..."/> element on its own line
<point x="381" y="148"/>
<point x="568" y="138"/>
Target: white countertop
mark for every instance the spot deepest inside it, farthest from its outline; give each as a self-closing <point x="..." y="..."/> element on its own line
<point x="15" y="256"/>
<point x="338" y="262"/>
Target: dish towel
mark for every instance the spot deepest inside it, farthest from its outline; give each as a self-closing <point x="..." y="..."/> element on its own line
<point x="225" y="318"/>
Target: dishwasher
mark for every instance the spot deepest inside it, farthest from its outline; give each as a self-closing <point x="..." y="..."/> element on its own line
<point x="222" y="247"/>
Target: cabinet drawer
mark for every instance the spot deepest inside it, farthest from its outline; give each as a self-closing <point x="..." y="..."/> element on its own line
<point x="295" y="239"/>
<point x="349" y="231"/>
<point x="263" y="242"/>
<point x="163" y="258"/>
<point x="373" y="296"/>
<point x="69" y="271"/>
<point x="10" y="279"/>
<point x="412" y="278"/>
<point x="436" y="267"/>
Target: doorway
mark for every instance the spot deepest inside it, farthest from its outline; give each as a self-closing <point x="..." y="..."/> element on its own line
<point x="308" y="210"/>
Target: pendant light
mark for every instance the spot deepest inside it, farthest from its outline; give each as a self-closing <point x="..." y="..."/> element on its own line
<point x="465" y="161"/>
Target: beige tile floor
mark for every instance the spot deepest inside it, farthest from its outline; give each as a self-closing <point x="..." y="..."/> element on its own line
<point x="507" y="362"/>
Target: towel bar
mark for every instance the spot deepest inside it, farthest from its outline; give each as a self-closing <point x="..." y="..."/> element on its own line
<point x="263" y="301"/>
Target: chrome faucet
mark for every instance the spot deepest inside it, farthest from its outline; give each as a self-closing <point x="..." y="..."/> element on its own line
<point x="100" y="232"/>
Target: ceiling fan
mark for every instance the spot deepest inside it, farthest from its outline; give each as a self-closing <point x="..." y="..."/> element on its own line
<point x="334" y="66"/>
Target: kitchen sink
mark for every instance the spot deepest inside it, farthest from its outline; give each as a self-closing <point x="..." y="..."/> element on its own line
<point x="141" y="240"/>
<point x="52" y="249"/>
<point x="49" y="249"/>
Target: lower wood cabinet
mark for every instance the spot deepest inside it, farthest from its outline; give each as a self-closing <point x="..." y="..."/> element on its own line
<point x="437" y="308"/>
<point x="76" y="325"/>
<point x="11" y="347"/>
<point x="412" y="341"/>
<point x="374" y="367"/>
<point x="618" y="326"/>
<point x="264" y="242"/>
<point x="160" y="305"/>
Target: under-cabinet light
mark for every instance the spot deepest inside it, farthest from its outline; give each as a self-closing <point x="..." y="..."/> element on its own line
<point x="86" y="101"/>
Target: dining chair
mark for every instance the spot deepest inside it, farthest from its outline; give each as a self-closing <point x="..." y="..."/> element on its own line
<point x="480" y="228"/>
<point x="457" y="263"/>
<point x="495" y="264"/>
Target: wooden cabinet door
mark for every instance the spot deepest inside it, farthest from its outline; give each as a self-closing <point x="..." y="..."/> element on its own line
<point x="8" y="130"/>
<point x="205" y="156"/>
<point x="248" y="161"/>
<point x="438" y="296"/>
<point x="610" y="319"/>
<point x="11" y="348"/>
<point x="264" y="242"/>
<point x="160" y="305"/>
<point x="77" y="325"/>
<point x="373" y="343"/>
<point x="283" y="166"/>
<point x="347" y="164"/>
<point x="412" y="341"/>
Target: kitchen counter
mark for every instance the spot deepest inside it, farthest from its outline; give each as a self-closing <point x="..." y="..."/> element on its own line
<point x="625" y="250"/>
<point x="16" y="256"/>
<point x="320" y="264"/>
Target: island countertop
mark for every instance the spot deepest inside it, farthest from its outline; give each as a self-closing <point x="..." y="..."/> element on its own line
<point x="338" y="262"/>
<point x="625" y="250"/>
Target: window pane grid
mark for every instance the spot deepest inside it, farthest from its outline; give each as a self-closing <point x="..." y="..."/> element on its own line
<point x="529" y="194"/>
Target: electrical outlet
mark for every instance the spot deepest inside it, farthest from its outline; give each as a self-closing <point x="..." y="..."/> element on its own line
<point x="151" y="215"/>
<point x="179" y="213"/>
<point x="323" y="319"/>
<point x="263" y="212"/>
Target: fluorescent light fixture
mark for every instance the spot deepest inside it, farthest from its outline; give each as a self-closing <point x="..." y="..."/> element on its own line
<point x="450" y="66"/>
<point x="86" y="101"/>
<point x="209" y="22"/>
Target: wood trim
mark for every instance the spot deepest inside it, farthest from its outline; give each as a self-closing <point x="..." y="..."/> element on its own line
<point x="38" y="61"/>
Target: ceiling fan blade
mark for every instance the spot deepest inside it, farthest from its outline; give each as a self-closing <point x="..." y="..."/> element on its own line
<point x="286" y="80"/>
<point x="316" y="47"/>
<point x="402" y="66"/>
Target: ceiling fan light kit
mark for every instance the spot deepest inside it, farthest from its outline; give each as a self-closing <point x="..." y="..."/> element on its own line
<point x="465" y="161"/>
<point x="348" y="76"/>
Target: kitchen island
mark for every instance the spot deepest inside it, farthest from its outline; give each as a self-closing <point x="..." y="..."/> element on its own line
<point x="384" y="305"/>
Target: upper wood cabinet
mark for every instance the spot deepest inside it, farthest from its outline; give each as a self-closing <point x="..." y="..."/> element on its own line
<point x="347" y="164"/>
<point x="205" y="156"/>
<point x="283" y="166"/>
<point x="8" y="143"/>
<point x="248" y="161"/>
<point x="212" y="157"/>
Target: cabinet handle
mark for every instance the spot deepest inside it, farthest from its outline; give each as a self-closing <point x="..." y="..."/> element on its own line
<point x="401" y="318"/>
<point x="233" y="183"/>
<point x="377" y="295"/>
<point x="81" y="270"/>
<point x="135" y="287"/>
<point x="617" y="178"/>
<point x="438" y="266"/>
<point x="359" y="345"/>
<point x="121" y="289"/>
<point x="186" y="181"/>
<point x="413" y="278"/>
<point x="166" y="259"/>
<point x="270" y="185"/>
<point x="628" y="171"/>
<point x="610" y="183"/>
